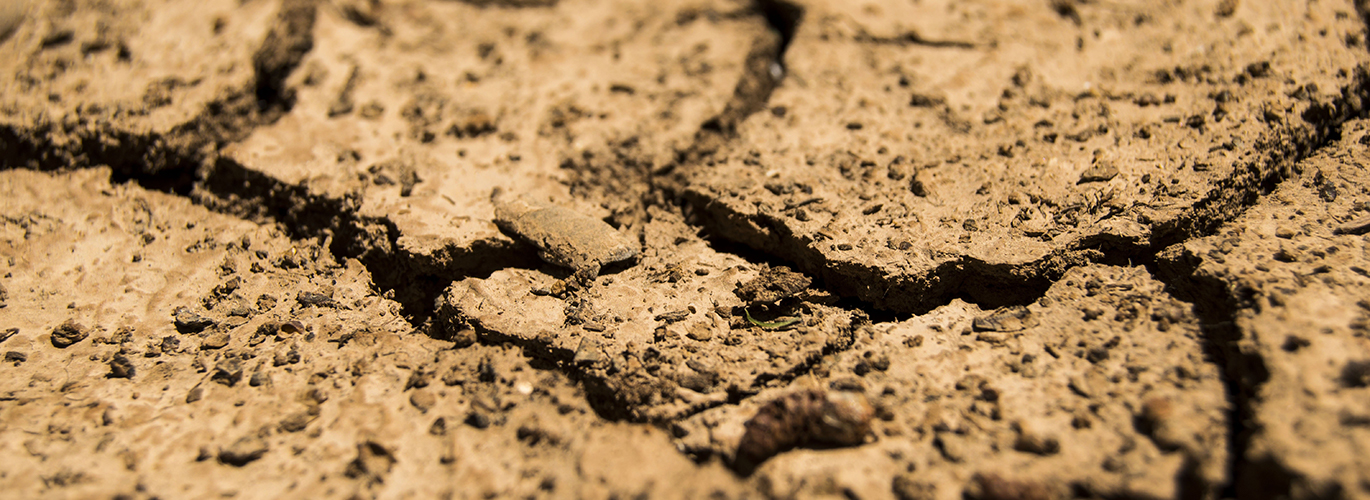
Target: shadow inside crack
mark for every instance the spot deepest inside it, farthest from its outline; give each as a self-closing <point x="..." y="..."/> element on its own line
<point x="763" y="69"/>
<point x="291" y="37"/>
<point x="1243" y="374"/>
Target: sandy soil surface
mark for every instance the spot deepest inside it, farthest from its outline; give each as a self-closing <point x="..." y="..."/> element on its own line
<point x="929" y="249"/>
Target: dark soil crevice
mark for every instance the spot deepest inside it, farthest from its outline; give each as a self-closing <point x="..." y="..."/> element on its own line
<point x="229" y="187"/>
<point x="167" y="160"/>
<point x="763" y="70"/>
<point x="290" y="39"/>
<point x="1216" y="305"/>
<point x="914" y="38"/>
<point x="1313" y="123"/>
<point x="161" y="162"/>
<point x="1308" y="127"/>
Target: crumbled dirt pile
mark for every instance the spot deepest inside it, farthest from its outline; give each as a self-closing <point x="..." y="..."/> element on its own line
<point x="693" y="248"/>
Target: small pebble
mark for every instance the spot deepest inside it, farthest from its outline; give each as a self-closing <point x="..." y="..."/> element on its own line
<point x="1100" y="171"/>
<point x="121" y="367"/>
<point x="243" y="451"/>
<point x="68" y="333"/>
<point x="423" y="400"/>
<point x="188" y="321"/>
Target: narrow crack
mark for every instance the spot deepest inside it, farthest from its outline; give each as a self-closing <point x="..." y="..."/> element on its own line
<point x="763" y="69"/>
<point x="1216" y="307"/>
<point x="414" y="283"/>
<point x="991" y="284"/>
<point x="1217" y="304"/>
<point x="290" y="39"/>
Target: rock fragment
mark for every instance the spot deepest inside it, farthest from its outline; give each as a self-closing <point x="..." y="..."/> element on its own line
<point x="1007" y="319"/>
<point x="216" y="340"/>
<point x="774" y="284"/>
<point x="1100" y="171"/>
<point x="588" y="352"/>
<point x="121" y="367"/>
<point x="1359" y="225"/>
<point x="296" y="422"/>
<point x="68" y="333"/>
<point x="423" y="400"/>
<point x="308" y="299"/>
<point x="373" y="462"/>
<point x="243" y="451"/>
<point x="188" y="321"/>
<point x="563" y="236"/>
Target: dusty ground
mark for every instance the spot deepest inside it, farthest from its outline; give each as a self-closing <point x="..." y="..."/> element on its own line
<point x="884" y="249"/>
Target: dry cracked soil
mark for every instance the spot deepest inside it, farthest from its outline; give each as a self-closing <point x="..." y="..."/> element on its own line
<point x="910" y="249"/>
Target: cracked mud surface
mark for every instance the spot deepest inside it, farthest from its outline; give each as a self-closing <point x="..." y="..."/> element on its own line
<point x="991" y="249"/>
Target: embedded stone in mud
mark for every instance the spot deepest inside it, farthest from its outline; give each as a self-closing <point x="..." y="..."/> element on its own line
<point x="68" y="333"/>
<point x="563" y="236"/>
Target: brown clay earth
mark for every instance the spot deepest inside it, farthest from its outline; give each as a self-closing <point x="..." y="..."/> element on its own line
<point x="913" y="249"/>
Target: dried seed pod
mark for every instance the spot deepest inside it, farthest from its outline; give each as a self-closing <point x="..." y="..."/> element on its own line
<point x="804" y="418"/>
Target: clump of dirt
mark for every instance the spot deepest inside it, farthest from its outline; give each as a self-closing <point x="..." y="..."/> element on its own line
<point x="773" y="285"/>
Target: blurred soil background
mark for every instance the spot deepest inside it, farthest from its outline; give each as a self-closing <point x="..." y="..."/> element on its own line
<point x="909" y="249"/>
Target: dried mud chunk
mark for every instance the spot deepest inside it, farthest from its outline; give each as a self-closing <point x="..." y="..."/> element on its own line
<point x="905" y="487"/>
<point x="773" y="285"/>
<point x="217" y="340"/>
<point x="563" y="237"/>
<point x="1100" y="171"/>
<point x="68" y="333"/>
<point x="121" y="367"/>
<point x="1359" y="225"/>
<point x="423" y="400"/>
<point x="243" y="451"/>
<point x="313" y="299"/>
<point x="995" y="487"/>
<point x="588" y="352"/>
<point x="672" y="316"/>
<point x="808" y="417"/>
<point x="1007" y="319"/>
<point x="373" y="462"/>
<point x="266" y="302"/>
<point x="228" y="372"/>
<point x="298" y="421"/>
<point x="188" y="321"/>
